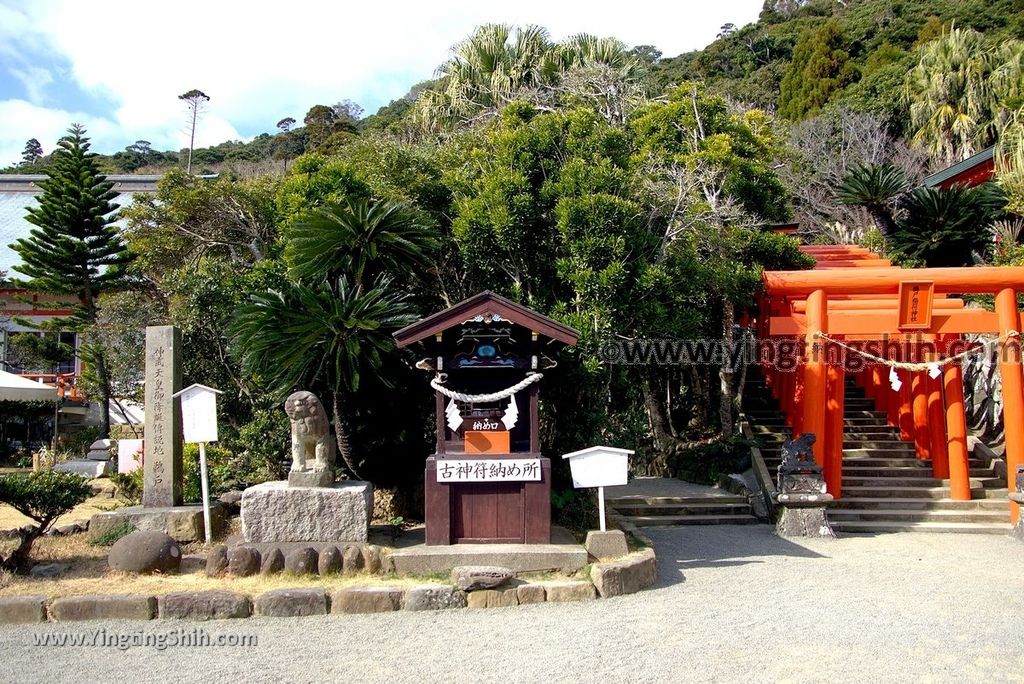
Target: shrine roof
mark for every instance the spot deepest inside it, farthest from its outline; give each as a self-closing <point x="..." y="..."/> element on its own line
<point x="485" y="302"/>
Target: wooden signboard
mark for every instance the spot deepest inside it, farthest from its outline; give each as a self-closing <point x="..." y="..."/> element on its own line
<point x="916" y="297"/>
<point x="489" y="470"/>
<point x="487" y="442"/>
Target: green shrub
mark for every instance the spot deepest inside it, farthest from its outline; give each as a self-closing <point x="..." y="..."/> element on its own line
<point x="705" y="463"/>
<point x="218" y="469"/>
<point x="129" y="485"/>
<point x="110" y="537"/>
<point x="43" y="496"/>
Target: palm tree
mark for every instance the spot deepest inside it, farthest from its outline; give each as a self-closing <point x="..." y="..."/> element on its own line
<point x="960" y="92"/>
<point x="328" y="334"/>
<point x="361" y="239"/>
<point x="874" y="187"/>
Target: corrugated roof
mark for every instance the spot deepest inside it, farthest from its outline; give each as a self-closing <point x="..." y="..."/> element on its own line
<point x="944" y="175"/>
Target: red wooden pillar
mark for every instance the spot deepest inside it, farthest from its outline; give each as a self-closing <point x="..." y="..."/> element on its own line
<point x="919" y="404"/>
<point x="786" y="396"/>
<point x="937" y="427"/>
<point x="836" y="380"/>
<point x="906" y="414"/>
<point x="1013" y="386"/>
<point x="956" y="432"/>
<point x="797" y="421"/>
<point x="878" y="388"/>
<point x="813" y="405"/>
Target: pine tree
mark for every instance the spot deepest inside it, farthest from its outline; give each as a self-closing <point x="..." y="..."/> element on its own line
<point x="75" y="249"/>
<point x="820" y="68"/>
<point x="32" y="153"/>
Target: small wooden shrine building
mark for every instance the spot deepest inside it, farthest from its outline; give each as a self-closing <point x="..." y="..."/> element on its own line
<point x="487" y="481"/>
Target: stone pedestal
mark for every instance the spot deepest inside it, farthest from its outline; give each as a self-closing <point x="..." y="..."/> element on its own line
<point x="605" y="546"/>
<point x="275" y="512"/>
<point x="311" y="478"/>
<point x="184" y="524"/>
<point x="804" y="518"/>
<point x="1018" y="530"/>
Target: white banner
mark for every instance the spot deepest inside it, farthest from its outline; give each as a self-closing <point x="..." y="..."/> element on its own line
<point x="488" y="470"/>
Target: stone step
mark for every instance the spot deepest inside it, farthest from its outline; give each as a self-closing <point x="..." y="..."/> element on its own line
<point x="922" y="481"/>
<point x="707" y="508"/>
<point x="674" y="520"/>
<point x="915" y="492"/>
<point x="857" y="470"/>
<point x="880" y="526"/>
<point x="896" y="451"/>
<point x="836" y="514"/>
<point x="919" y="503"/>
<point x="615" y="502"/>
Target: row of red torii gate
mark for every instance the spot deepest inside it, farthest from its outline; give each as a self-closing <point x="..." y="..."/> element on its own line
<point x="900" y="334"/>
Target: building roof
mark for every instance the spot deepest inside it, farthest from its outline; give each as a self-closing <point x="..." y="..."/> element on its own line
<point x="972" y="171"/>
<point x="479" y="304"/>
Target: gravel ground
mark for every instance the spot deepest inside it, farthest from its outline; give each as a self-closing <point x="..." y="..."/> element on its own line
<point x="733" y="604"/>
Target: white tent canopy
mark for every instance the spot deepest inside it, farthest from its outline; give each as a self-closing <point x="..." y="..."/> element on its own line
<point x="16" y="388"/>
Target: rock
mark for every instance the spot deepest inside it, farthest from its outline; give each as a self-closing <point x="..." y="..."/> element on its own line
<point x="272" y="562"/>
<point x="371" y="558"/>
<point x="183" y="523"/>
<point x="232" y="501"/>
<point x="352" y="557"/>
<point x="275" y="512"/>
<point x="493" y="598"/>
<point x="192" y="563"/>
<point x="311" y="478"/>
<point x="291" y="603"/>
<point x="103" y="607"/>
<point x="73" y="528"/>
<point x="330" y="561"/>
<point x="86" y="468"/>
<point x="530" y="593"/>
<point x="626" y="576"/>
<point x="301" y="561"/>
<point x="473" y="577"/>
<point x="366" y="600"/>
<point x="145" y="551"/>
<point x="47" y="570"/>
<point x="203" y="605"/>
<point x="22" y="609"/>
<point x="608" y="545"/>
<point x="434" y="597"/>
<point x="217" y="561"/>
<point x="243" y="561"/>
<point x="100" y="524"/>
<point x="572" y="590"/>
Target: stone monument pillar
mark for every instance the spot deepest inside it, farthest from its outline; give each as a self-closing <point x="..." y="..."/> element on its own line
<point x="162" y="470"/>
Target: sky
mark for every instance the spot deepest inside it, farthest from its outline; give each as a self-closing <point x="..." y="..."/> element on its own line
<point x="117" y="66"/>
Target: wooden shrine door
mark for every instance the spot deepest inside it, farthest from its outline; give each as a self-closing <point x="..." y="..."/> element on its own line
<point x="489" y="512"/>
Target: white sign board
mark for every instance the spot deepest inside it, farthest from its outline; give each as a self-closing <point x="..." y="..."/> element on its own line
<point x="129" y="452"/>
<point x="489" y="470"/>
<point x="599" y="467"/>
<point x="199" y="413"/>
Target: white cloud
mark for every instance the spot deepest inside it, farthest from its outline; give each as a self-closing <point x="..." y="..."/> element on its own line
<point x="261" y="61"/>
<point x="34" y="79"/>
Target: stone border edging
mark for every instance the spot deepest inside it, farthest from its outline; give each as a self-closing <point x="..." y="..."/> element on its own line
<point x="626" y="575"/>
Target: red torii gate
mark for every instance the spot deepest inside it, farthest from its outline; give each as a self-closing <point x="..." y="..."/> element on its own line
<point x="853" y="295"/>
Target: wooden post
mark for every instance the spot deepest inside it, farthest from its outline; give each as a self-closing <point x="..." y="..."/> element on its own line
<point x="600" y="506"/>
<point x="1013" y="386"/>
<point x="204" y="484"/>
<point x="906" y="412"/>
<point x="836" y="380"/>
<point x="797" y="422"/>
<point x="937" y="427"/>
<point x="813" y="408"/>
<point x="956" y="432"/>
<point x="919" y="400"/>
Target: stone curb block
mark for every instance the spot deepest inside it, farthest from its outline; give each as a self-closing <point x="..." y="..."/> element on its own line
<point x="22" y="609"/>
<point x="367" y="600"/>
<point x="103" y="607"/>
<point x="434" y="597"/>
<point x="569" y="591"/>
<point x="493" y="598"/>
<point x="291" y="603"/>
<point x="203" y="605"/>
<point x="626" y="576"/>
<point x="530" y="593"/>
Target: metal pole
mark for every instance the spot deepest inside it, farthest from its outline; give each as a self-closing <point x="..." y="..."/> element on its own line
<point x="206" y="491"/>
<point x="600" y="505"/>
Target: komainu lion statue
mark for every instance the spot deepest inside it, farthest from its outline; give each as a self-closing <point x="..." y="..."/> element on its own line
<point x="311" y="434"/>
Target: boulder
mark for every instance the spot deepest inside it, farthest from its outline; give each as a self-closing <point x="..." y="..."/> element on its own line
<point x="243" y="561"/>
<point x="275" y="512"/>
<point x="371" y="558"/>
<point x="273" y="561"/>
<point x="46" y="570"/>
<point x="232" y="501"/>
<point x="473" y="577"/>
<point x="145" y="551"/>
<point x="352" y="558"/>
<point x="217" y="561"/>
<point x="301" y="561"/>
<point x="330" y="561"/>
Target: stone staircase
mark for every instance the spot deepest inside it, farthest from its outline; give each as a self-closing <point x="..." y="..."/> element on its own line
<point x="886" y="488"/>
<point x="669" y="511"/>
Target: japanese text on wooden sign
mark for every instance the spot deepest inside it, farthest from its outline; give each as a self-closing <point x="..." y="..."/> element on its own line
<point x="915" y="301"/>
<point x="489" y="470"/>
